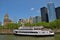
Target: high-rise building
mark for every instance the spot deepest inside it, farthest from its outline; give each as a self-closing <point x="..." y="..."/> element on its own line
<point x="6" y="19"/>
<point x="30" y="20"/>
<point x="51" y="12"/>
<point x="44" y="14"/>
<point x="27" y="20"/>
<point x="36" y="19"/>
<point x="57" y="10"/>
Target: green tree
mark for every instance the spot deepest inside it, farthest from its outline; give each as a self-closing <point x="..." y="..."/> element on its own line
<point x="57" y="23"/>
<point x="27" y="24"/>
<point x="1" y="27"/>
<point x="12" y="25"/>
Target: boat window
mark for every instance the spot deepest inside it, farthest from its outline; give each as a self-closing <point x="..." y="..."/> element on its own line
<point x="43" y="32"/>
<point x="28" y="32"/>
<point x="16" y="31"/>
<point x="37" y="29"/>
<point x="51" y="32"/>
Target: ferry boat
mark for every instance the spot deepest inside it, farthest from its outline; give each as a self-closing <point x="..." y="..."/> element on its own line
<point x="33" y="31"/>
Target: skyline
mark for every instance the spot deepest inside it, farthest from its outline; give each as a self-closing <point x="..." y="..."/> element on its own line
<point x="23" y="8"/>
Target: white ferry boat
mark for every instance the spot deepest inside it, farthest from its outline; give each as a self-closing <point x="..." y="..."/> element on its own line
<point x="34" y="31"/>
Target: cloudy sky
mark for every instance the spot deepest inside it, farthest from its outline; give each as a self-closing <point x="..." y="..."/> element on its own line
<point x="23" y="8"/>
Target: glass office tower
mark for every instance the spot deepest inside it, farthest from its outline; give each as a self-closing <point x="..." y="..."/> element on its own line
<point x="51" y="12"/>
<point x="57" y="10"/>
<point x="44" y="14"/>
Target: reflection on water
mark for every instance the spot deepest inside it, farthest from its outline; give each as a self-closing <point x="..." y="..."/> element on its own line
<point x="13" y="37"/>
<point x="57" y="37"/>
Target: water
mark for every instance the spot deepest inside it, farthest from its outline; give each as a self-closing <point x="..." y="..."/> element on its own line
<point x="13" y="37"/>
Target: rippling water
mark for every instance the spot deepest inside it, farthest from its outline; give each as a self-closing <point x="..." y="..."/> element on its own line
<point x="13" y="37"/>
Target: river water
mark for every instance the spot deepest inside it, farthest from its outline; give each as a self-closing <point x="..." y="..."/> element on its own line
<point x="13" y="37"/>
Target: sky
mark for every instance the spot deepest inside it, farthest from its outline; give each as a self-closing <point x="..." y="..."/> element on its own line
<point x="17" y="9"/>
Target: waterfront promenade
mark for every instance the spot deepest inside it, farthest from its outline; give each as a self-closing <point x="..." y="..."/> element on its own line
<point x="6" y="31"/>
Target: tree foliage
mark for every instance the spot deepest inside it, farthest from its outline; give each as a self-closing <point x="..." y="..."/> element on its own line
<point x="53" y="25"/>
<point x="12" y="25"/>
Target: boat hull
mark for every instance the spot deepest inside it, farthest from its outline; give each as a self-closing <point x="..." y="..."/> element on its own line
<point x="31" y="35"/>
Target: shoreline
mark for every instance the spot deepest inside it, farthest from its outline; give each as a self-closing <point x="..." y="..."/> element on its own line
<point x="6" y="33"/>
